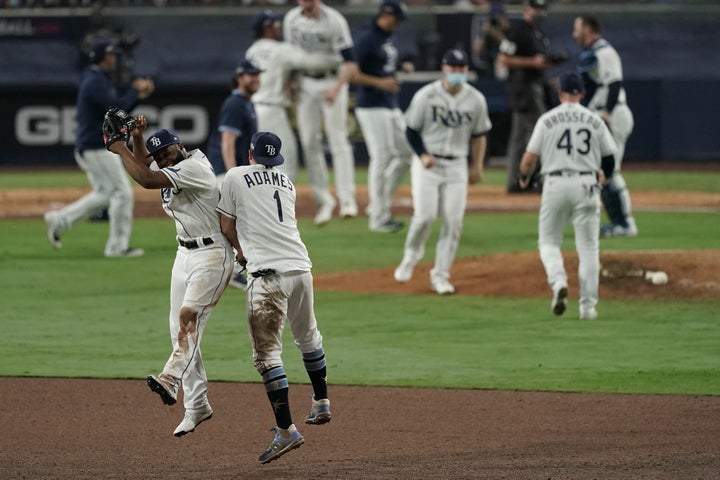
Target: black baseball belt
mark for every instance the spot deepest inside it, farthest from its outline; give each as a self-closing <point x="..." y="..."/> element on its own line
<point x="569" y="173"/>
<point x="320" y="75"/>
<point x="193" y="244"/>
<point x="445" y="157"/>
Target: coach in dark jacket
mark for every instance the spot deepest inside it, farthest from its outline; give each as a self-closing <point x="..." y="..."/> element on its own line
<point x="110" y="185"/>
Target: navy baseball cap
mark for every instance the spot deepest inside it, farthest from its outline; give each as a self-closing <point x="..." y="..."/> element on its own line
<point x="247" y="67"/>
<point x="161" y="139"/>
<point x="100" y="47"/>
<point x="572" y="82"/>
<point x="265" y="147"/>
<point x="394" y="7"/>
<point x="455" y="56"/>
<point x="263" y="20"/>
<point x="538" y="4"/>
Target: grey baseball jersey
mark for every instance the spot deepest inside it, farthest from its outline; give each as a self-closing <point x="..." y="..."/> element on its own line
<point x="327" y="33"/>
<point x="446" y="122"/>
<point x="262" y="202"/>
<point x="277" y="59"/>
<point x="570" y="137"/>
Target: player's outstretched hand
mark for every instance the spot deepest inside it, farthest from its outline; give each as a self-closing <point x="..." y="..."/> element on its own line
<point x="140" y="126"/>
<point x="116" y="126"/>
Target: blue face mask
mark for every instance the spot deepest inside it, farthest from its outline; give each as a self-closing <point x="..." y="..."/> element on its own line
<point x="456" y="79"/>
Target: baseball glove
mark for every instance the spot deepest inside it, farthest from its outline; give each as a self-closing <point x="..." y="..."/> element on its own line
<point x="117" y="126"/>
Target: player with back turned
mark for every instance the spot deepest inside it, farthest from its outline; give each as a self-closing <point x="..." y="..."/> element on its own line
<point x="204" y="259"/>
<point x="576" y="149"/>
<point x="600" y="66"/>
<point x="257" y="210"/>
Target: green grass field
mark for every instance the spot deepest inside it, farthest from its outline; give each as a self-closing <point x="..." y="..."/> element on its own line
<point x="74" y="313"/>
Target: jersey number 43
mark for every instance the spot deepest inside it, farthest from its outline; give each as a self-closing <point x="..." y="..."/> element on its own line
<point x="580" y="141"/>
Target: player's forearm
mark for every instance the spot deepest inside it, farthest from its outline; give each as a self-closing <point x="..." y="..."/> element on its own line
<point x="137" y="169"/>
<point x="140" y="151"/>
<point x="227" y="227"/>
<point x="527" y="164"/>
<point x="228" y="156"/>
<point x="477" y="153"/>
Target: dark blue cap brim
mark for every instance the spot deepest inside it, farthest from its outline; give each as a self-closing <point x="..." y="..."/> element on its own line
<point x="269" y="161"/>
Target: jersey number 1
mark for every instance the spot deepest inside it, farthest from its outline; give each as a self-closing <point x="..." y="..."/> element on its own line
<point x="279" y="205"/>
<point x="565" y="142"/>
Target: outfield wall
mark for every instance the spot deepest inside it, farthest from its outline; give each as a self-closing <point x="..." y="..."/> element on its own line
<point x="670" y="54"/>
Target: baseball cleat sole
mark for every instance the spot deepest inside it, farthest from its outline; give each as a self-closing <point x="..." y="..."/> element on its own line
<point x="158" y="388"/>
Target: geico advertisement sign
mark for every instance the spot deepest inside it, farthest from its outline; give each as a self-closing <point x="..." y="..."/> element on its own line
<point x="42" y="125"/>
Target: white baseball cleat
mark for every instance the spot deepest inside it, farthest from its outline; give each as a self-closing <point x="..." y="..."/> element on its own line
<point x="559" y="301"/>
<point x="127" y="253"/>
<point x="325" y="211"/>
<point x="348" y="209"/>
<point x="404" y="272"/>
<point x="53" y="230"/>
<point x="588" y="313"/>
<point x="192" y="419"/>
<point x="443" y="287"/>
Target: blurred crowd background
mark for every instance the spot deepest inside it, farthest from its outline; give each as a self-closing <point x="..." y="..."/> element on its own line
<point x="281" y="3"/>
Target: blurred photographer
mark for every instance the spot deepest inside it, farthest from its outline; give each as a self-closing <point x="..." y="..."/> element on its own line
<point x="525" y="53"/>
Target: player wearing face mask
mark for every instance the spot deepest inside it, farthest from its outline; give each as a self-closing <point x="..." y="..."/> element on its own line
<point x="444" y="118"/>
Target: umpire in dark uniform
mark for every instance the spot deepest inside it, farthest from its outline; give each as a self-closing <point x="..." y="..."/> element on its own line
<point x="525" y="53"/>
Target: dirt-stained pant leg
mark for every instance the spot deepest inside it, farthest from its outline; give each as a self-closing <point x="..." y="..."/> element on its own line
<point x="198" y="279"/>
<point x="270" y="300"/>
<point x="267" y="300"/>
<point x="301" y="312"/>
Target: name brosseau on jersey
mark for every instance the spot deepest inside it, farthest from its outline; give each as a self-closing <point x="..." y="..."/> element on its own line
<point x="450" y="118"/>
<point x="573" y="117"/>
<point x="273" y="178"/>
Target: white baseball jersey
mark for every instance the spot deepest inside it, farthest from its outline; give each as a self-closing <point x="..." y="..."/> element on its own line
<point x="327" y="33"/>
<point x="606" y="70"/>
<point x="277" y="59"/>
<point x="570" y="137"/>
<point x="446" y="122"/>
<point x="192" y="200"/>
<point x="262" y="202"/>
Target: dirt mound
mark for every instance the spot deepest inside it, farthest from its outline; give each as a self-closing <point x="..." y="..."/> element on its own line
<point x="692" y="274"/>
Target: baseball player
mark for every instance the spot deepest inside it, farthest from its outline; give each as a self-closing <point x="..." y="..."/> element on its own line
<point x="601" y="68"/>
<point x="442" y="119"/>
<point x="576" y="148"/>
<point x="110" y="186"/>
<point x="378" y="112"/>
<point x="277" y="59"/>
<point x="237" y="122"/>
<point x="257" y="209"/>
<point x="323" y="99"/>
<point x="203" y="262"/>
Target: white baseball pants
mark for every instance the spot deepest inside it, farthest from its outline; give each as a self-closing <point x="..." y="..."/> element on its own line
<point x="577" y="199"/>
<point x="274" y="118"/>
<point x="270" y="300"/>
<point x="199" y="277"/>
<point x="621" y="126"/>
<point x="390" y="157"/>
<point x="312" y="112"/>
<point x="441" y="190"/>
<point x="110" y="189"/>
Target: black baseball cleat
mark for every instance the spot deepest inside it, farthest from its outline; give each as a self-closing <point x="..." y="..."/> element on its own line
<point x="166" y="389"/>
<point x="559" y="301"/>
